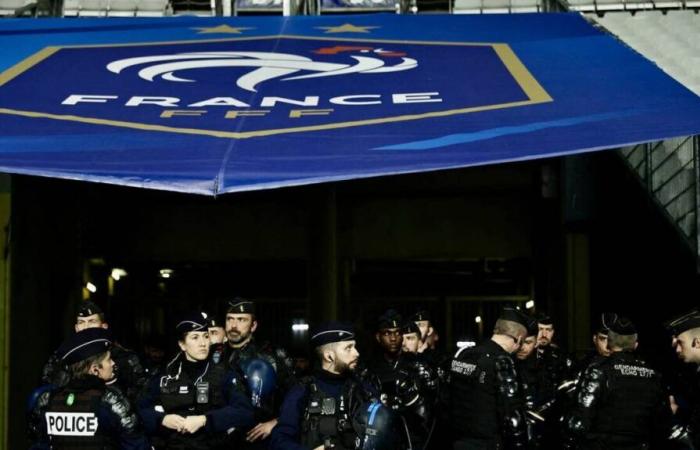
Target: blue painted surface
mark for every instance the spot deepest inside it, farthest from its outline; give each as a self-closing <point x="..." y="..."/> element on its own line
<point x="411" y="94"/>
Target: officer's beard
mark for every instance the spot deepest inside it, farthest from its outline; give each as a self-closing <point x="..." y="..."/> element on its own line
<point x="236" y="338"/>
<point x="345" y="368"/>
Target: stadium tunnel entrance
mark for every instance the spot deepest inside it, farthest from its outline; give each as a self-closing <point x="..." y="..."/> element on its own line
<point x="569" y="236"/>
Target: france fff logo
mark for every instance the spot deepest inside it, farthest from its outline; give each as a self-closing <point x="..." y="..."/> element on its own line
<point x="259" y="86"/>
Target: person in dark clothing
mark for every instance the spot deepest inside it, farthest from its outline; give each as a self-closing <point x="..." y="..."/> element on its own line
<point x="621" y="402"/>
<point x="195" y="403"/>
<point x="86" y="413"/>
<point x="485" y="401"/>
<point x="241" y="324"/>
<point x="129" y="373"/>
<point x="526" y="368"/>
<point x="553" y="364"/>
<point x="419" y="415"/>
<point x="405" y="381"/>
<point x="328" y="410"/>
<point x="217" y="339"/>
<point x="385" y="362"/>
<point x="685" y="333"/>
<point x="600" y="344"/>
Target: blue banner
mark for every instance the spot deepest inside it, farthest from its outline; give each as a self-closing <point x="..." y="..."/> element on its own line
<point x="213" y="105"/>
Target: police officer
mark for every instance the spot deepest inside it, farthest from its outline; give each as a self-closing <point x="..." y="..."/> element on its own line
<point x="194" y="404"/>
<point x="526" y="368"/>
<point x="685" y="331"/>
<point x="600" y="343"/>
<point x="419" y="415"/>
<point x="621" y="402"/>
<point x="384" y="364"/>
<point x="241" y="324"/>
<point x="485" y="400"/>
<point x="422" y="320"/>
<point x="86" y="413"/>
<point x="553" y="364"/>
<point x="326" y="410"/>
<point x="129" y="373"/>
<point x="217" y="339"/>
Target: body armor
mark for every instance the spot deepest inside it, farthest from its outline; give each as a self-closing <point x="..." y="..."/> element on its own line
<point x="620" y="403"/>
<point x="327" y="419"/>
<point x="184" y="395"/>
<point x="486" y="403"/>
<point x="72" y="421"/>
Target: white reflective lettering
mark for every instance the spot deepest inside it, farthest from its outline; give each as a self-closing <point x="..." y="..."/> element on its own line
<point x="158" y="101"/>
<point x="272" y="101"/>
<point x="416" y="97"/>
<point x="71" y="424"/>
<point x="354" y="100"/>
<point x="74" y="99"/>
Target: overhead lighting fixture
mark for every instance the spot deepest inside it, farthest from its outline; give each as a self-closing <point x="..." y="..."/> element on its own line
<point x="530" y="304"/>
<point x="299" y="327"/>
<point x="477" y="319"/>
<point x="166" y="273"/>
<point x="118" y="273"/>
<point x="91" y="287"/>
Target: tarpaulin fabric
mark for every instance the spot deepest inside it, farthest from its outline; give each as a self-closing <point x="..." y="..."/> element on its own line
<point x="216" y="105"/>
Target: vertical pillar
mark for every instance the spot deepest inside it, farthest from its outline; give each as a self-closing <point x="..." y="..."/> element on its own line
<point x="578" y="292"/>
<point x="323" y="254"/>
<point x="5" y="199"/>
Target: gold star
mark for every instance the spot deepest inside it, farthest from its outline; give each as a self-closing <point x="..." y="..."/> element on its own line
<point x="221" y="29"/>
<point x="347" y="28"/>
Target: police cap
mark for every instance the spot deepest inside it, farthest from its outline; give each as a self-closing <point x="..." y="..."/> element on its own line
<point x="544" y="319"/>
<point x="329" y="332"/>
<point x="84" y="344"/>
<point x="517" y="316"/>
<point x="389" y="319"/>
<point x="420" y="315"/>
<point x="213" y="321"/>
<point x="410" y="327"/>
<point x="196" y="321"/>
<point x="532" y="328"/>
<point x="623" y="327"/>
<point x="240" y="306"/>
<point x="606" y="319"/>
<point x="685" y="322"/>
<point x="88" y="308"/>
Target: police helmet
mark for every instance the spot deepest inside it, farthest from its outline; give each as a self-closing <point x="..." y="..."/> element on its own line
<point x="261" y="379"/>
<point x="374" y="424"/>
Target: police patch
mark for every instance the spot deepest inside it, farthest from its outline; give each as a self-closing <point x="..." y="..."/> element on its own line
<point x="463" y="368"/>
<point x="71" y="424"/>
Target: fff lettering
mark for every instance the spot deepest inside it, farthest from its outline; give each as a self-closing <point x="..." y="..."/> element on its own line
<point x="71" y="424"/>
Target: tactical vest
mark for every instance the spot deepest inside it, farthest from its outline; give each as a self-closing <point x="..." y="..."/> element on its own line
<point x="632" y="394"/>
<point x="327" y="420"/>
<point x="72" y="422"/>
<point x="473" y="395"/>
<point x="185" y="397"/>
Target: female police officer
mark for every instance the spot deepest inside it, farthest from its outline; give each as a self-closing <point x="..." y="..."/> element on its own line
<point x="86" y="413"/>
<point x="195" y="403"/>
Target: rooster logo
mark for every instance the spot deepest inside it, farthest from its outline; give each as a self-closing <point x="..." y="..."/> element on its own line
<point x="267" y="65"/>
